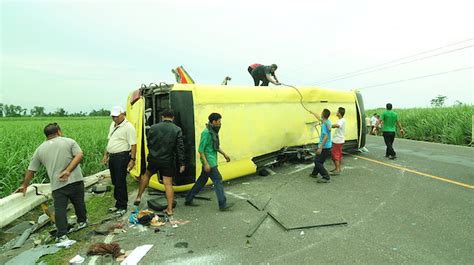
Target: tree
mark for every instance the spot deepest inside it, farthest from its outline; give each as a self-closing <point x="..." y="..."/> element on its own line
<point x="1" y="110"/>
<point x="60" y="112"/>
<point x="37" y="111"/>
<point x="101" y="112"/>
<point x="13" y="111"/>
<point x="438" y="101"/>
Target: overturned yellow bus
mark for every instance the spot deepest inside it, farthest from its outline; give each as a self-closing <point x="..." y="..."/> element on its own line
<point x="258" y="123"/>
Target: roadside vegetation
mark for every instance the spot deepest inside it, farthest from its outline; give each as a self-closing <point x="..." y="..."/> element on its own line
<point x="447" y="125"/>
<point x="19" y="138"/>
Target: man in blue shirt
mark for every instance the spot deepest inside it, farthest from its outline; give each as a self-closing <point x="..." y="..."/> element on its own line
<point x="324" y="147"/>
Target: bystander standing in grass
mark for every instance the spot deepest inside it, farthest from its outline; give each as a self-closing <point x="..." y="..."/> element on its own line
<point x="120" y="154"/>
<point x="61" y="157"/>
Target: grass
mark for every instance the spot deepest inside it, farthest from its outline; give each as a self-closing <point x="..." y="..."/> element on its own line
<point x="447" y="125"/>
<point x="19" y="138"/>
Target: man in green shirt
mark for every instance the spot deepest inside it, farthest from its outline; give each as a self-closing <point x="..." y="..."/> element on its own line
<point x="389" y="121"/>
<point x="208" y="148"/>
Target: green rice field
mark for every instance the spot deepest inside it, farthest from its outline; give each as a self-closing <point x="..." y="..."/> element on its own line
<point x="19" y="137"/>
<point x="447" y="125"/>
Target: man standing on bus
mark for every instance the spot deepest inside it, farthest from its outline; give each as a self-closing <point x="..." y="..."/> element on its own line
<point x="208" y="148"/>
<point x="338" y="140"/>
<point x="324" y="147"/>
<point x="264" y="73"/>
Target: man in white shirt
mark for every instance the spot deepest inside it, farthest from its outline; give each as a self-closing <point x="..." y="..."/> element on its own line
<point x="338" y="140"/>
<point x="120" y="154"/>
<point x="373" y="123"/>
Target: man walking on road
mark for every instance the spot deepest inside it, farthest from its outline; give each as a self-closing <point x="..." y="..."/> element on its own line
<point x="165" y="143"/>
<point x="61" y="157"/>
<point x="208" y="148"/>
<point x="389" y="121"/>
<point x="120" y="153"/>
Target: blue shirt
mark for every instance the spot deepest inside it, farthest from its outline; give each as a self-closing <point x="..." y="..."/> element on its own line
<point x="325" y="131"/>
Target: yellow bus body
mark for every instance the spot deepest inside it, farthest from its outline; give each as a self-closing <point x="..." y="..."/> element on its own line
<point x="255" y="121"/>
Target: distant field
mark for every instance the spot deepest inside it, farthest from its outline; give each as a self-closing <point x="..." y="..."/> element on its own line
<point x="447" y="125"/>
<point x="19" y="138"/>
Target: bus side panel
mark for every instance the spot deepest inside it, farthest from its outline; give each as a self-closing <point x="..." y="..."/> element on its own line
<point x="134" y="115"/>
<point x="361" y="126"/>
<point x="182" y="104"/>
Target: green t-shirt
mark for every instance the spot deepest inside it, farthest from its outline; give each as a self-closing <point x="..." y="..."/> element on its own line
<point x="206" y="146"/>
<point x="389" y="119"/>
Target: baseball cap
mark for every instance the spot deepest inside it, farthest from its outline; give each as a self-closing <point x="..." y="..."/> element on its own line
<point x="116" y="111"/>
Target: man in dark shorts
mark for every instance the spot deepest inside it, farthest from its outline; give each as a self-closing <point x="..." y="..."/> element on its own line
<point x="264" y="73"/>
<point x="165" y="143"/>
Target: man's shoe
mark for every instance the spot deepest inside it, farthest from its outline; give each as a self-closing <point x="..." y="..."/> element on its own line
<point x="121" y="211"/>
<point x="81" y="225"/>
<point x="335" y="173"/>
<point x="227" y="207"/>
<point x="62" y="239"/>
<point x="191" y="203"/>
<point x="323" y="180"/>
<point x="113" y="209"/>
<point x="313" y="175"/>
<point x="392" y="157"/>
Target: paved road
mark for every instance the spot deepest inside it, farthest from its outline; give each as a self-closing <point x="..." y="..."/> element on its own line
<point x="416" y="209"/>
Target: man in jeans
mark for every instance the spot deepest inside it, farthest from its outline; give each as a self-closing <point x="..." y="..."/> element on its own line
<point x="61" y="157"/>
<point x="389" y="121"/>
<point x="208" y="148"/>
<point x="324" y="147"/>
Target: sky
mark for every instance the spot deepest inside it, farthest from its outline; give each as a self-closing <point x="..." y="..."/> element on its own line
<point x="82" y="55"/>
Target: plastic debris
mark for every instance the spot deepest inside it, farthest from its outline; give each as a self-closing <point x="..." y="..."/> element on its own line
<point x="137" y="254"/>
<point x="78" y="259"/>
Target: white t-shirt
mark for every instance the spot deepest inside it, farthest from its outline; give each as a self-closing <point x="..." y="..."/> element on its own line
<point x="373" y="121"/>
<point x="121" y="138"/>
<point x="338" y="136"/>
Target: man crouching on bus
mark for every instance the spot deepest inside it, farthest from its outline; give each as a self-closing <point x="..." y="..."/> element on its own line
<point x="208" y="148"/>
<point x="324" y="147"/>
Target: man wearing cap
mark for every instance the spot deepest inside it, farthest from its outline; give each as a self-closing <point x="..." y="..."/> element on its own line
<point x="121" y="154"/>
<point x="264" y="73"/>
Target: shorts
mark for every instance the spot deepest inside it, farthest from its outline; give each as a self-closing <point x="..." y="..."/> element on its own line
<point x="336" y="152"/>
<point x="164" y="169"/>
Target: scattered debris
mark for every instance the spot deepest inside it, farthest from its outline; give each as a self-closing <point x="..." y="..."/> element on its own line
<point x="104" y="249"/>
<point x="247" y="244"/>
<point x="302" y="233"/>
<point x="30" y="256"/>
<point x="254" y="228"/>
<point x="159" y="204"/>
<point x="137" y="254"/>
<point x="181" y="245"/>
<point x="78" y="259"/>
